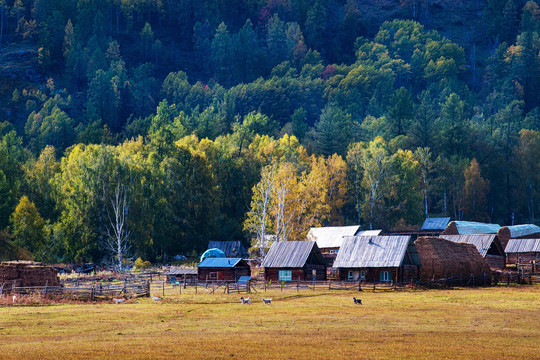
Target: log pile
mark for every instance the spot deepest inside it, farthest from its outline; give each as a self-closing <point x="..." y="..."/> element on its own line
<point x="441" y="259"/>
<point x="26" y="274"/>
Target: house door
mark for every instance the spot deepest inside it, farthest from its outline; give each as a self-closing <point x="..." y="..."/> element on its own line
<point x="220" y="275"/>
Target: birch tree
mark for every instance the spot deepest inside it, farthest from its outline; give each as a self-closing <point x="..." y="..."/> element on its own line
<point x="423" y="156"/>
<point x="377" y="166"/>
<point x="258" y="217"/>
<point x="118" y="235"/>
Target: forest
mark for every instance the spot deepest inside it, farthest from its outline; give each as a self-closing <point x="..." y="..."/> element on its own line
<point x="145" y="128"/>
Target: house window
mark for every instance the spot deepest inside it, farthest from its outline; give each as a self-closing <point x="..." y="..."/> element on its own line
<point x="350" y="275"/>
<point x="213" y="275"/>
<point x="385" y="276"/>
<point x="333" y="251"/>
<point x="363" y="275"/>
<point x="285" y="275"/>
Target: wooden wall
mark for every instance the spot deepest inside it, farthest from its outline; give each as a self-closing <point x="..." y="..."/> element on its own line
<point x="223" y="274"/>
<point x="406" y="273"/>
<point x="495" y="261"/>
<point x="302" y="274"/>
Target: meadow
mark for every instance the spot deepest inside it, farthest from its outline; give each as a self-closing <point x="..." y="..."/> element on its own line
<point x="479" y="323"/>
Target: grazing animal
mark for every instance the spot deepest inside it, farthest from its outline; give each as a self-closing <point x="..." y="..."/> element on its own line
<point x="156" y="298"/>
<point x="118" y="301"/>
<point x="246" y="300"/>
<point x="357" y="301"/>
<point x="267" y="301"/>
<point x="14" y="298"/>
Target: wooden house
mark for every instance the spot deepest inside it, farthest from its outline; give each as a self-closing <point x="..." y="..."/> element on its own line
<point x="223" y="269"/>
<point x="524" y="231"/>
<point x="230" y="248"/>
<point x="488" y="245"/>
<point x="294" y="260"/>
<point x="330" y="238"/>
<point x="430" y="227"/>
<point x="376" y="259"/>
<point x="523" y="251"/>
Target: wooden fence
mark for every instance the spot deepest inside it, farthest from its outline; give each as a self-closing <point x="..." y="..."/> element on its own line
<point x="82" y="290"/>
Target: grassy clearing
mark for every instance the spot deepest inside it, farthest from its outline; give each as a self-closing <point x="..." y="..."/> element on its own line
<point x="492" y="323"/>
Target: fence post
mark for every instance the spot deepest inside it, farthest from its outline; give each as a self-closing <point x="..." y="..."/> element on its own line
<point x="330" y="284"/>
<point x="46" y="284"/>
<point x="359" y="285"/>
<point x="298" y="284"/>
<point x="163" y="283"/>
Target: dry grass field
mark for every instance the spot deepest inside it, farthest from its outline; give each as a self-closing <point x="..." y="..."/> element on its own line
<point x="490" y="323"/>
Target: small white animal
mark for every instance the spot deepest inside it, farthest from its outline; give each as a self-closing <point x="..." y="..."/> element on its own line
<point x="14" y="298"/>
<point x="357" y="301"/>
<point x="118" y="301"/>
<point x="156" y="298"/>
<point x="267" y="301"/>
<point x="246" y="300"/>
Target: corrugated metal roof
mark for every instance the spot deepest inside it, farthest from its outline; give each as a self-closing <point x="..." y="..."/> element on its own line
<point x="523" y="245"/>
<point x="182" y="271"/>
<point x="523" y="230"/>
<point x="220" y="262"/>
<point x="331" y="236"/>
<point x="230" y="248"/>
<point x="471" y="227"/>
<point x="288" y="254"/>
<point x="372" y="251"/>
<point x="435" y="223"/>
<point x="481" y="241"/>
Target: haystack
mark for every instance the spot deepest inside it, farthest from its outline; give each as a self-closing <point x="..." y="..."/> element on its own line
<point x="442" y="259"/>
<point x="27" y="273"/>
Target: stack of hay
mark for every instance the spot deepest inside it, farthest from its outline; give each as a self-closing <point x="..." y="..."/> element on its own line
<point x="442" y="259"/>
<point x="27" y="273"/>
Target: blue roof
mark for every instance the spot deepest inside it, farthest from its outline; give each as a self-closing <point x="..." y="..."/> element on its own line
<point x="220" y="262"/>
<point x="213" y="253"/>
<point x="435" y="223"/>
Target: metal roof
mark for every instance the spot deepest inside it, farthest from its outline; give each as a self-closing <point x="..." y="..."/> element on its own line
<point x="230" y="248"/>
<point x="331" y="236"/>
<point x="372" y="251"/>
<point x="523" y="230"/>
<point x="523" y="245"/>
<point x="481" y="241"/>
<point x="289" y="254"/>
<point x="471" y="227"/>
<point x="220" y="262"/>
<point x="435" y="223"/>
<point x="182" y="271"/>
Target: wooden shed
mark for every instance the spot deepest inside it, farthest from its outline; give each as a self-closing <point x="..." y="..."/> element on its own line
<point x="294" y="260"/>
<point x="469" y="228"/>
<point x="376" y="259"/>
<point x="523" y="251"/>
<point x="524" y="231"/>
<point x="488" y="245"/>
<point x="442" y="259"/>
<point x="232" y="249"/>
<point x="223" y="269"/>
<point x="188" y="275"/>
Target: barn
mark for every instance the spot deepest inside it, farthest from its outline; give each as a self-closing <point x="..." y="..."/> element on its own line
<point x="294" y="260"/>
<point x="376" y="259"/>
<point x="223" y="269"/>
<point x="488" y="245"/>
<point x="230" y="248"/>
<point x="442" y="259"/>
<point x="524" y="231"/>
<point x="523" y="251"/>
